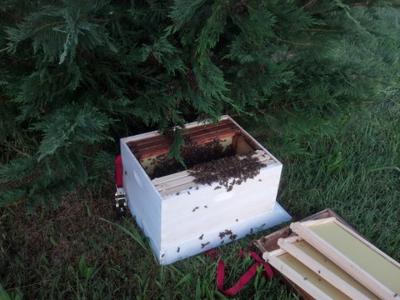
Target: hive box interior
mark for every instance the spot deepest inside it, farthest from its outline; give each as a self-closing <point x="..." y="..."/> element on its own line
<point x="202" y="144"/>
<point x="222" y="142"/>
<point x="226" y="188"/>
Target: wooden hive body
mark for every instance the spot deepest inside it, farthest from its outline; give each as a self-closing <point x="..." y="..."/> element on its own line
<point x="182" y="217"/>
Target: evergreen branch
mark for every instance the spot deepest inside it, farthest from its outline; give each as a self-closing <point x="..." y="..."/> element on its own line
<point x="346" y="10"/>
<point x="309" y="4"/>
<point x="127" y="66"/>
<point x="10" y="146"/>
<point x="5" y="49"/>
<point x="295" y="43"/>
<point x="45" y="26"/>
<point x="324" y="30"/>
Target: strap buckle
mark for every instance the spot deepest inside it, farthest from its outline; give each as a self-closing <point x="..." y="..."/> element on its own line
<point x="121" y="204"/>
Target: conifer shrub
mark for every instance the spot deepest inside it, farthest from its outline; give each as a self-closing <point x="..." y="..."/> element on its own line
<point x="76" y="75"/>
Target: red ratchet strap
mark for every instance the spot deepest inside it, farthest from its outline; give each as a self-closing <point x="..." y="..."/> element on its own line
<point x="121" y="203"/>
<point x="118" y="171"/>
<point x="245" y="278"/>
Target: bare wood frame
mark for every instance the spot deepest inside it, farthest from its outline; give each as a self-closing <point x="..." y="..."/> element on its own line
<point x="337" y="278"/>
<point x="297" y="278"/>
<point x="356" y="271"/>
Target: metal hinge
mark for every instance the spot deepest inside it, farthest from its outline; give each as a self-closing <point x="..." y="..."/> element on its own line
<point x="121" y="205"/>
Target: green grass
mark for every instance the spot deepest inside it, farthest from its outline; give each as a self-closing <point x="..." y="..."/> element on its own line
<point x="348" y="161"/>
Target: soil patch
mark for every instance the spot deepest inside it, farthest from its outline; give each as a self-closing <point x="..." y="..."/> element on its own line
<point x="62" y="235"/>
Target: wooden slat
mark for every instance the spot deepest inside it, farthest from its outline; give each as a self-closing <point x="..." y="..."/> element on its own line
<point x="162" y="148"/>
<point x="353" y="254"/>
<point x="329" y="271"/>
<point x="202" y="128"/>
<point x="306" y="279"/>
<point x="158" y="145"/>
<point x="172" y="177"/>
<point x="269" y="242"/>
<point x="175" y="182"/>
<point x="218" y="134"/>
<point x="148" y="142"/>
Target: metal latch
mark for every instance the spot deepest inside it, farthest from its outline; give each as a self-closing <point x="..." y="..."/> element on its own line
<point x="121" y="204"/>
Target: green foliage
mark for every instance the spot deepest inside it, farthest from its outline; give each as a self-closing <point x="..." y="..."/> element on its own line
<point x="6" y="296"/>
<point x="76" y="75"/>
<point x="346" y="161"/>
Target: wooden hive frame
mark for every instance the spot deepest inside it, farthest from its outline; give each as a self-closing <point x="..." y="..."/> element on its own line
<point x="153" y="146"/>
<point x="269" y="243"/>
<point x="176" y="182"/>
<point x="345" y="258"/>
<point x="319" y="264"/>
<point x="310" y="282"/>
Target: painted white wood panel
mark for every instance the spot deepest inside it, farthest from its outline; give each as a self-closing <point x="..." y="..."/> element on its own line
<point x="143" y="198"/>
<point x="211" y="239"/>
<point x="205" y="194"/>
<point x="170" y="222"/>
<point x="212" y="208"/>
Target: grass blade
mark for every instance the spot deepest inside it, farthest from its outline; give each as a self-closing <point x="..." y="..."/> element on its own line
<point x="132" y="233"/>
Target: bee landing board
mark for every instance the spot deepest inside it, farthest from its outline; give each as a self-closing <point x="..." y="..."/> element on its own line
<point x="228" y="190"/>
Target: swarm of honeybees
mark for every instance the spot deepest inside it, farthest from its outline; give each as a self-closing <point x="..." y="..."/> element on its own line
<point x="227" y="171"/>
<point x="191" y="155"/>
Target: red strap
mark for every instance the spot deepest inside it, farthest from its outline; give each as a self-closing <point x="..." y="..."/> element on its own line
<point x="267" y="268"/>
<point x="118" y="171"/>
<point x="212" y="253"/>
<point x="245" y="278"/>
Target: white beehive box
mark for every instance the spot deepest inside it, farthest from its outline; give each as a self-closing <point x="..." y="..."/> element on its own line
<point x="182" y="217"/>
